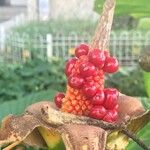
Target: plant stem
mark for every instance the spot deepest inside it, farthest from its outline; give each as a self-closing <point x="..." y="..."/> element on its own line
<point x="102" y="33"/>
<point x="135" y="139"/>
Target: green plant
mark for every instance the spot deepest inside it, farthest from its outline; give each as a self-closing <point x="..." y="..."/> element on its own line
<point x="18" y="106"/>
<point x="144" y="133"/>
<point x="147" y="82"/>
<point x="31" y="77"/>
<point x="144" y="24"/>
<point x="129" y="81"/>
<point x="55" y="26"/>
<point x="35" y="76"/>
<point x="135" y="8"/>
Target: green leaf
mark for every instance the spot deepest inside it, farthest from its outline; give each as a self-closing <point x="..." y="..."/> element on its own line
<point x="146" y="102"/>
<point x="18" y="106"/>
<point x="144" y="134"/>
<point x="147" y="82"/>
<point x="137" y="8"/>
<point x="144" y="24"/>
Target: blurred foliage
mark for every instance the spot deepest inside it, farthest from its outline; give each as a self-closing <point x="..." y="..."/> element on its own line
<point x="38" y="75"/>
<point x="79" y="27"/>
<point x="147" y="81"/>
<point x="134" y="8"/>
<point x="129" y="81"/>
<point x="144" y="24"/>
<point x="56" y="26"/>
<point x="30" y="77"/>
<point x="144" y="134"/>
<point x="18" y="106"/>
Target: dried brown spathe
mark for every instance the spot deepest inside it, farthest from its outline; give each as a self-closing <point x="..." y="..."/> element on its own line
<point x="76" y="131"/>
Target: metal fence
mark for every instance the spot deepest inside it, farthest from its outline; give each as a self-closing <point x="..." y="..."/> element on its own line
<point x="126" y="46"/>
<point x="7" y="25"/>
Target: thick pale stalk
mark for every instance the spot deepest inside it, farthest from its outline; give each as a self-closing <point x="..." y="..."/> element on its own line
<point x="102" y="33"/>
<point x="100" y="40"/>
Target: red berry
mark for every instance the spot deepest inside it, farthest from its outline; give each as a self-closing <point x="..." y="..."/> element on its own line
<point x="89" y="89"/>
<point x="97" y="57"/>
<point x="82" y="49"/>
<point x="98" y="98"/>
<point x="58" y="99"/>
<point x="87" y="69"/>
<point x="69" y="66"/>
<point x="111" y="65"/>
<point x="111" y="116"/>
<point x="111" y="96"/>
<point x="75" y="81"/>
<point x="98" y="112"/>
<point x="107" y="54"/>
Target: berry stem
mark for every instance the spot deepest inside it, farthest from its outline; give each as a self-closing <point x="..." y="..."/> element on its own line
<point x="101" y="38"/>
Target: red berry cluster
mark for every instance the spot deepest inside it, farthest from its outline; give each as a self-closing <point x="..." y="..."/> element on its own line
<point x="85" y="74"/>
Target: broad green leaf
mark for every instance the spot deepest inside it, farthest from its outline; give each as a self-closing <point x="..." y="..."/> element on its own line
<point x="119" y="141"/>
<point x="146" y="102"/>
<point x="137" y="8"/>
<point x="147" y="82"/>
<point x="144" y="24"/>
<point x="144" y="134"/>
<point x="18" y="106"/>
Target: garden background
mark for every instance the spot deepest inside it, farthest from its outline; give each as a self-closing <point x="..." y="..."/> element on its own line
<point x="37" y="38"/>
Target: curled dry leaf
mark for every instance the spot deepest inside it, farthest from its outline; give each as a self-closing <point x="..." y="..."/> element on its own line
<point x="77" y="132"/>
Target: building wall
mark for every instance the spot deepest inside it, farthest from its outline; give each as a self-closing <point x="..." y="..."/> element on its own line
<point x="18" y="2"/>
<point x="66" y="9"/>
<point x="72" y="9"/>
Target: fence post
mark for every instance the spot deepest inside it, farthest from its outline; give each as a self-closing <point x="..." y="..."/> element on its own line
<point x="49" y="40"/>
<point x="2" y="37"/>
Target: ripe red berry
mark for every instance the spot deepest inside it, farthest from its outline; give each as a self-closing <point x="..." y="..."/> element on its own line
<point x="69" y="66"/>
<point x="89" y="89"/>
<point x="111" y="65"/>
<point x="107" y="54"/>
<point x="82" y="49"/>
<point x="98" y="98"/>
<point x="111" y="96"/>
<point x="97" y="57"/>
<point x="98" y="112"/>
<point x="111" y="116"/>
<point x="87" y="69"/>
<point x="75" y="81"/>
<point x="58" y="99"/>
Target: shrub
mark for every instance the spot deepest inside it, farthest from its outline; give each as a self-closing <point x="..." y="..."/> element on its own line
<point x="128" y="81"/>
<point x="31" y="77"/>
